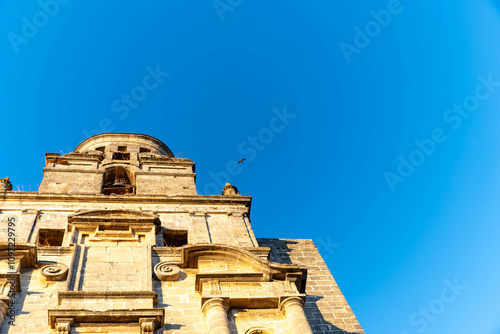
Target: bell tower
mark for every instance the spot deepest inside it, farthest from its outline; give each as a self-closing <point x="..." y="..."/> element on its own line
<point x="119" y="164"/>
<point x="117" y="240"/>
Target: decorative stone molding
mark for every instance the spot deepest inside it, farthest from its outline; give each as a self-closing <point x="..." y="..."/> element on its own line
<point x="229" y="190"/>
<point x="54" y="272"/>
<point x="215" y="287"/>
<point x="129" y="299"/>
<point x="56" y="250"/>
<point x="166" y="271"/>
<point x="24" y="258"/>
<point x="226" y="277"/>
<point x="148" y="325"/>
<point x="200" y="214"/>
<point x="262" y="252"/>
<point x="254" y="263"/>
<point x="5" y="184"/>
<point x="143" y="199"/>
<point x="92" y="219"/>
<point x="63" y="325"/>
<point x="25" y="254"/>
<point x="111" y="316"/>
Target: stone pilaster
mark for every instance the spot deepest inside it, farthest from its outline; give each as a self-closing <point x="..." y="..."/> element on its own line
<point x="199" y="231"/>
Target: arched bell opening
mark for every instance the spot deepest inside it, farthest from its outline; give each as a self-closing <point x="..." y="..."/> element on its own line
<point x="118" y="180"/>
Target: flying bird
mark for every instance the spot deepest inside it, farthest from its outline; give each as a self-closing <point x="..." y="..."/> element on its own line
<point x="241" y="161"/>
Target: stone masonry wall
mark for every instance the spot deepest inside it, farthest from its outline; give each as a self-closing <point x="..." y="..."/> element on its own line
<point x="326" y="307"/>
<point x="36" y="297"/>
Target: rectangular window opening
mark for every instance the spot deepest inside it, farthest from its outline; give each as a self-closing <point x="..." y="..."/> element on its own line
<point x="175" y="238"/>
<point x="50" y="237"/>
<point x="121" y="156"/>
<point x="122" y="148"/>
<point x="100" y="149"/>
<point x="144" y="150"/>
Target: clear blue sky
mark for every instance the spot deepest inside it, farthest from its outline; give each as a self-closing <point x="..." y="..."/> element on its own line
<point x="372" y="155"/>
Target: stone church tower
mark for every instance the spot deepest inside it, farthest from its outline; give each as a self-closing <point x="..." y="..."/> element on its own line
<point x="117" y="240"/>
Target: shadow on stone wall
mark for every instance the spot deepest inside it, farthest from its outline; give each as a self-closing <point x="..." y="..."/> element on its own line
<point x="167" y="328"/>
<point x="280" y="253"/>
<point x="280" y="249"/>
<point x="19" y="306"/>
<point x="318" y="322"/>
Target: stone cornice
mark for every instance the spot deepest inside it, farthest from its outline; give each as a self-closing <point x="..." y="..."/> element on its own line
<point x="162" y="173"/>
<point x="107" y="295"/>
<point x="131" y="199"/>
<point x="91" y="219"/>
<point x="55" y="251"/>
<point x="73" y="170"/>
<point x="167" y="161"/>
<point x="110" y="316"/>
<point x="75" y="157"/>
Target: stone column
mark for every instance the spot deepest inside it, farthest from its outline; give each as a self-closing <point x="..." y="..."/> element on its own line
<point x="215" y="310"/>
<point x="4" y="300"/>
<point x="4" y="309"/>
<point x="293" y="308"/>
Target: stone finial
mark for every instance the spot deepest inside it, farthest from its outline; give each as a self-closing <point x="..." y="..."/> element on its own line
<point x="5" y="184"/>
<point x="229" y="189"/>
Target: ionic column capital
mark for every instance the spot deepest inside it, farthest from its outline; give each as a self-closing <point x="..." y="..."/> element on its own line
<point x="215" y="310"/>
<point x="214" y="302"/>
<point x="289" y="302"/>
<point x="294" y="310"/>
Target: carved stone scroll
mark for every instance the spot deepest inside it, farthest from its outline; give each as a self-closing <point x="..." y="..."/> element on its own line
<point x="54" y="272"/>
<point x="166" y="271"/>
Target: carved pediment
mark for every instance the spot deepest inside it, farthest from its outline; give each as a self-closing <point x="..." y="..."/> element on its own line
<point x="113" y="217"/>
<point x="191" y="254"/>
<point x="255" y="282"/>
<point x="258" y="268"/>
